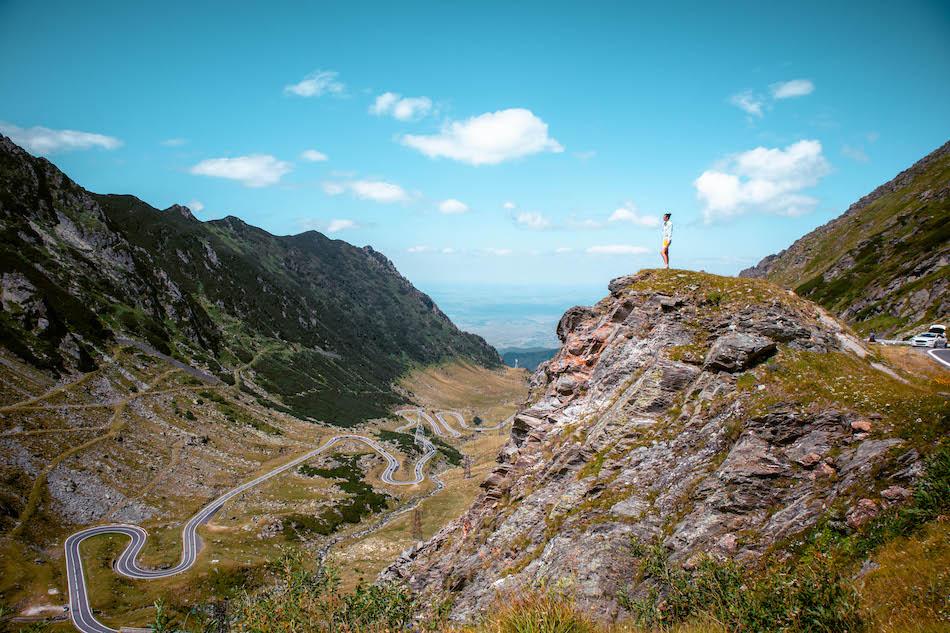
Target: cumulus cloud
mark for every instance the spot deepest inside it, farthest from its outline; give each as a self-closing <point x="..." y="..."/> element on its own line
<point x="43" y="140"/>
<point x="196" y="206"/>
<point x="452" y="207"/>
<point x="376" y="190"/>
<point x="402" y="108"/>
<point x="499" y="252"/>
<point x="629" y="213"/>
<point x="418" y="249"/>
<point x="316" y="84"/>
<point x="314" y="156"/>
<point x="256" y="170"/>
<point x="487" y="139"/>
<point x="763" y="179"/>
<point x="448" y="250"/>
<point x="532" y="220"/>
<point x="617" y="249"/>
<point x="563" y="249"/>
<point x="174" y="142"/>
<point x="509" y="205"/>
<point x="748" y="103"/>
<point x="793" y="88"/>
<point x="341" y="224"/>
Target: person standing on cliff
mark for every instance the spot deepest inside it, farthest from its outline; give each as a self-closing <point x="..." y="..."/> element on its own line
<point x="667" y="238"/>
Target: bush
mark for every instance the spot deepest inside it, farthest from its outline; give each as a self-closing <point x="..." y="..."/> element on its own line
<point x="305" y="601"/>
<point x="812" y="596"/>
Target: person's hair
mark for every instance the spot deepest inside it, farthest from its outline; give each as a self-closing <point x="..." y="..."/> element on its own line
<point x="667" y="214"/>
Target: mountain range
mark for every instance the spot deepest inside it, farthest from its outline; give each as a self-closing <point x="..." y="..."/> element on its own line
<point x="340" y="323"/>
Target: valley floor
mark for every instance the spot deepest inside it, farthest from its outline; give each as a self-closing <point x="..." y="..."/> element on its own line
<point x="141" y="441"/>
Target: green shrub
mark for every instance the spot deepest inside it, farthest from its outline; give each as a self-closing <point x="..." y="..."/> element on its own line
<point x="305" y="601"/>
<point x="811" y="596"/>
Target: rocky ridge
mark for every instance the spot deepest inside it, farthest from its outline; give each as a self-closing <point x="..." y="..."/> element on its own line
<point x="882" y="264"/>
<point x="713" y="415"/>
<point x="339" y="323"/>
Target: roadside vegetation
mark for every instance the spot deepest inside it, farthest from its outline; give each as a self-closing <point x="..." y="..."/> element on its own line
<point x="361" y="500"/>
<point x="815" y="590"/>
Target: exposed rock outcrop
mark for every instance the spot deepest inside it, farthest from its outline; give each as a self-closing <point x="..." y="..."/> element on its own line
<point x="671" y="414"/>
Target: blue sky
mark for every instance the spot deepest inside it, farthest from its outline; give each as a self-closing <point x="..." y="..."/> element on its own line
<point x="528" y="144"/>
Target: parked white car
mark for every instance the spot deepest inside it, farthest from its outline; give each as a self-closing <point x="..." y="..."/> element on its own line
<point x="929" y="339"/>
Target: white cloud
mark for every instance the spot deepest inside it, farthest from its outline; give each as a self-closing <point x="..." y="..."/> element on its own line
<point x="448" y="250"/>
<point x="499" y="252"/>
<point x="855" y="153"/>
<point x="532" y="220"/>
<point x="376" y="190"/>
<point x="617" y="249"/>
<point x="793" y="88"/>
<point x="587" y="224"/>
<point x="763" y="179"/>
<point x="314" y="156"/>
<point x="337" y="225"/>
<point x="256" y="170"/>
<point x="174" y="142"/>
<point x="316" y="84"/>
<point x="748" y="102"/>
<point x="418" y="249"/>
<point x="488" y="139"/>
<point x="564" y="249"/>
<point x="399" y="107"/>
<point x="452" y="207"/>
<point x="43" y="140"/>
<point x="383" y="103"/>
<point x="333" y="188"/>
<point x="510" y="205"/>
<point x="196" y="206"/>
<point x="629" y="213"/>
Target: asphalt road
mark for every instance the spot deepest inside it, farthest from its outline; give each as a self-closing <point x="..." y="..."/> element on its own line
<point x="81" y="613"/>
<point x="942" y="356"/>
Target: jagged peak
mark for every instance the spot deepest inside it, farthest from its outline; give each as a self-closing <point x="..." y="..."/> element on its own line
<point x="181" y="210"/>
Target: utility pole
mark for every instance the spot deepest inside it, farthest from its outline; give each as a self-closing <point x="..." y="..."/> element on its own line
<point x="417" y="524"/>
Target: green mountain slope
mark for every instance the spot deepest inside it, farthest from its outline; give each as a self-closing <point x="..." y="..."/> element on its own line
<point x="326" y="326"/>
<point x="883" y="263"/>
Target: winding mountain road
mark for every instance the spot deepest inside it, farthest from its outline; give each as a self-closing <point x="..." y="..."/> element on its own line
<point x="126" y="565"/>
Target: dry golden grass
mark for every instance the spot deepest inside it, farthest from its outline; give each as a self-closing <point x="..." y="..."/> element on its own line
<point x="469" y="389"/>
<point x="491" y="394"/>
<point x="539" y="612"/>
<point x="915" y="363"/>
<point x="910" y="591"/>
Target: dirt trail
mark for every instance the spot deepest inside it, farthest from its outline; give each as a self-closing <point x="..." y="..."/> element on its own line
<point x="116" y="424"/>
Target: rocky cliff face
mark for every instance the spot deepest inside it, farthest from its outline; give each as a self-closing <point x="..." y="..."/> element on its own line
<point x="713" y="415"/>
<point x="883" y="264"/>
<point x="339" y="322"/>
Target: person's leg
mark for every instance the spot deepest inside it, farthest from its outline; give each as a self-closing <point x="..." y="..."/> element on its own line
<point x="666" y="255"/>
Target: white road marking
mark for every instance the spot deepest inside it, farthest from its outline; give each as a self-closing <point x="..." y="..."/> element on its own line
<point x="935" y="354"/>
<point x="81" y="613"/>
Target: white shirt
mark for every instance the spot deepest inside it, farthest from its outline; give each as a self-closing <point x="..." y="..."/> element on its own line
<point x="668" y="231"/>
